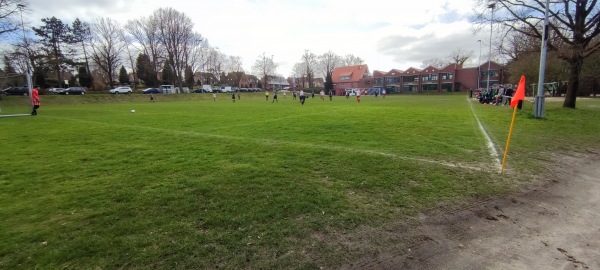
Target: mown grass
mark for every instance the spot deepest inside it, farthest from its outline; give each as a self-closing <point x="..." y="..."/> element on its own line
<point x="190" y="183"/>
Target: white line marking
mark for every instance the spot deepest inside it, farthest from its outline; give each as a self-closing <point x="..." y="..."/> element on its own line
<point x="279" y="142"/>
<point x="490" y="144"/>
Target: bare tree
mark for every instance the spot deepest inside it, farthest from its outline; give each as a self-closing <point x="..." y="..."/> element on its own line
<point x="459" y="56"/>
<point x="328" y="62"/>
<point x="107" y="47"/>
<point x="351" y="60"/>
<point x="216" y="62"/>
<point x="127" y="40"/>
<point x="234" y="67"/>
<point x="435" y="62"/>
<point x="263" y="68"/>
<point x="574" y="23"/>
<point x="299" y="72"/>
<point x="10" y="20"/>
<point x="146" y="34"/>
<point x="175" y="33"/>
<point x="517" y="45"/>
<point x="192" y="51"/>
<point x="309" y="62"/>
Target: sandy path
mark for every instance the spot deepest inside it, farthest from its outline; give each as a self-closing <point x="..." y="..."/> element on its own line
<point x="555" y="226"/>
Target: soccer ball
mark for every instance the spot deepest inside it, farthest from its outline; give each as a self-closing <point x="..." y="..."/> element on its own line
<point x="132" y="110"/>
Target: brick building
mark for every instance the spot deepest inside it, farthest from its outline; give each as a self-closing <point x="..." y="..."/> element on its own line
<point x="452" y="78"/>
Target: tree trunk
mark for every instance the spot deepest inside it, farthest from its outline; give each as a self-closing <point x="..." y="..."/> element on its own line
<point x="574" y="70"/>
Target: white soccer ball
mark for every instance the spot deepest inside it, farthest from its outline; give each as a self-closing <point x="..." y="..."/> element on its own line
<point x="132" y="111"/>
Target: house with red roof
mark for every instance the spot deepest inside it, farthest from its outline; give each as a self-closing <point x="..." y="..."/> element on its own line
<point x="350" y="77"/>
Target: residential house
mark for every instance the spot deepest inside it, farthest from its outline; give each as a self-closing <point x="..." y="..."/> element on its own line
<point x="351" y="77"/>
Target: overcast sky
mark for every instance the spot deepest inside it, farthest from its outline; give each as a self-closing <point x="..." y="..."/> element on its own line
<point x="385" y="33"/>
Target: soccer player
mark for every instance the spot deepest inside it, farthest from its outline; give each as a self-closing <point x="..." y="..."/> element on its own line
<point x="358" y="96"/>
<point x="275" y="97"/>
<point x="302" y="97"/>
<point x="35" y="100"/>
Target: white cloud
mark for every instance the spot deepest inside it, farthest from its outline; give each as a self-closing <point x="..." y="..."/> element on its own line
<point x="387" y="34"/>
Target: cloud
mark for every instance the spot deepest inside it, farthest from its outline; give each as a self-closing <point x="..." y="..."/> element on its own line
<point x="410" y="48"/>
<point x="387" y="34"/>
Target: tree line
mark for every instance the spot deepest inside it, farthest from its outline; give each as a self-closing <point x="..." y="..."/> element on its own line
<point x="159" y="49"/>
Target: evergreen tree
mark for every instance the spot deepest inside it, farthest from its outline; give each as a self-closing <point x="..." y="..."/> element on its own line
<point x="39" y="77"/>
<point x="80" y="33"/>
<point x="328" y="83"/>
<point x="123" y="77"/>
<point x="167" y="74"/>
<point x="8" y="68"/>
<point x="84" y="77"/>
<point x="145" y="70"/>
<point x="53" y="35"/>
<point x="73" y="81"/>
<point x="189" y="77"/>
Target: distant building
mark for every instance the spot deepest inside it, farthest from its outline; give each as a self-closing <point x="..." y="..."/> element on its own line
<point x="351" y="77"/>
<point x="277" y="83"/>
<point x="452" y="78"/>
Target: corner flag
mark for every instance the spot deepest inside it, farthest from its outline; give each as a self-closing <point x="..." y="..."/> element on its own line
<point x="520" y="94"/>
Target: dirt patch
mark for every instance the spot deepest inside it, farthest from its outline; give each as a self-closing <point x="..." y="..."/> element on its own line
<point x="554" y="224"/>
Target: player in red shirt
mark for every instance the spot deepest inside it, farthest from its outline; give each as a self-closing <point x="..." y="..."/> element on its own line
<point x="35" y="100"/>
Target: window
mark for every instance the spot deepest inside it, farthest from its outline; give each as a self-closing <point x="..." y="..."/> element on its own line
<point x="342" y="78"/>
<point x="410" y="78"/>
<point x="493" y="73"/>
<point x="447" y="87"/>
<point x="447" y="76"/>
<point x="392" y="80"/>
<point x="378" y="81"/>
<point x="410" y="88"/>
<point x="429" y="87"/>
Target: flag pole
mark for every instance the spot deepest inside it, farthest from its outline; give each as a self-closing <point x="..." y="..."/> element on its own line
<point x="512" y="123"/>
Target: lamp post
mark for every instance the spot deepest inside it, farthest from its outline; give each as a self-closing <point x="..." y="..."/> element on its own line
<point x="491" y="5"/>
<point x="273" y="80"/>
<point x="479" y="66"/>
<point x="29" y="82"/>
<point x="540" y="98"/>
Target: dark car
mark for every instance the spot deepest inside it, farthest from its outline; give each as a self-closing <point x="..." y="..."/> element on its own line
<point x="16" y="91"/>
<point x="150" y="91"/>
<point x="73" y="91"/>
<point x="200" y="91"/>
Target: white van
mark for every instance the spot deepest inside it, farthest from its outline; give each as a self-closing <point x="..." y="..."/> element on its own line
<point x="224" y="89"/>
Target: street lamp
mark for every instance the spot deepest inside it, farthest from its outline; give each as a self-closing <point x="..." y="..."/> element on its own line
<point x="491" y="5"/>
<point x="540" y="98"/>
<point x="479" y="66"/>
<point x="273" y="79"/>
<point x="29" y="82"/>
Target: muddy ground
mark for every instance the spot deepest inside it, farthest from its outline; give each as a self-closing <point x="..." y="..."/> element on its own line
<point x="554" y="224"/>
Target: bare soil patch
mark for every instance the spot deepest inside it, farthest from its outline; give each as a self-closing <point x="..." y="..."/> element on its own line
<point x="553" y="224"/>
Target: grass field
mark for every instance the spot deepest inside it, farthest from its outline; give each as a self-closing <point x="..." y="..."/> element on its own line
<point x="190" y="183"/>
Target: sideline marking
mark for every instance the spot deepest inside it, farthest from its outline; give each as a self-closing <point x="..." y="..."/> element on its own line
<point x="297" y="144"/>
<point x="490" y="144"/>
<point x="13" y="115"/>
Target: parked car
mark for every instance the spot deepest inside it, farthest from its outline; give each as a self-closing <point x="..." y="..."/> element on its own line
<point x="16" y="91"/>
<point x="55" y="90"/>
<point x="73" y="91"/>
<point x="201" y="91"/>
<point x="121" y="90"/>
<point x="150" y="91"/>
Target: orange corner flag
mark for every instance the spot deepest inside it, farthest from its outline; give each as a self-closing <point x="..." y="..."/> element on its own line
<point x="520" y="94"/>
